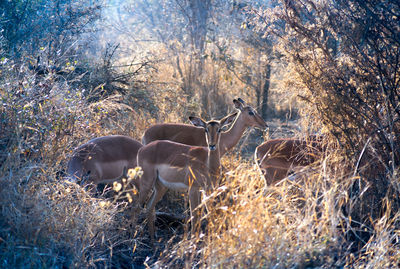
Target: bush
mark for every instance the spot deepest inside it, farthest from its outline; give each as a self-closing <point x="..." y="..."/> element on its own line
<point x="44" y="220"/>
<point x="345" y="54"/>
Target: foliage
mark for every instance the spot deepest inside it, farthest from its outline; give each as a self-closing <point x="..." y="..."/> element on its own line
<point x="345" y="57"/>
<point x="29" y="27"/>
<point x="45" y="220"/>
<point x="225" y="64"/>
<point x="340" y="59"/>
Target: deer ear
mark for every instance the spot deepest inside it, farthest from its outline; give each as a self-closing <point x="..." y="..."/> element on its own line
<point x="238" y="104"/>
<point x="229" y="119"/>
<point x="196" y="121"/>
<point x="241" y="101"/>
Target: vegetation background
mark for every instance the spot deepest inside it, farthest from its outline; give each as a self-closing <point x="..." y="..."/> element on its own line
<point x="74" y="70"/>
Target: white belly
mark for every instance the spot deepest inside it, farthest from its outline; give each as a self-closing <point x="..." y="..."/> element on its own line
<point x="172" y="177"/>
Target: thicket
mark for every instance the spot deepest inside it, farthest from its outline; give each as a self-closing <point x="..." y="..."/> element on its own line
<point x="343" y="65"/>
<point x="61" y="86"/>
<point x="346" y="56"/>
<point x="54" y="96"/>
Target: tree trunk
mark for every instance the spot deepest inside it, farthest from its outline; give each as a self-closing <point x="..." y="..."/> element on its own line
<point x="200" y="11"/>
<point x="265" y="92"/>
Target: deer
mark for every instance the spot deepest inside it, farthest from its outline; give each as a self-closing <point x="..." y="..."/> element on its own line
<point x="192" y="135"/>
<point x="103" y="160"/>
<point x="171" y="165"/>
<point x="276" y="158"/>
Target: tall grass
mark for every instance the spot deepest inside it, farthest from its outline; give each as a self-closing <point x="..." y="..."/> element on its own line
<point x="301" y="222"/>
<point x="307" y="220"/>
<point x="298" y="223"/>
<point x="51" y="224"/>
<point x="46" y="222"/>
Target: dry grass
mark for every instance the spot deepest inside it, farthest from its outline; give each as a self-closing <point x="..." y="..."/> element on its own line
<point x="297" y="224"/>
<point x="293" y="224"/>
<point x="46" y="222"/>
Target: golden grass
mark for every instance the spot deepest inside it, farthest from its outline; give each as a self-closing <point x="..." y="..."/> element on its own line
<point x="249" y="226"/>
<point x="297" y="223"/>
<point x="46" y="222"/>
<point x="51" y="221"/>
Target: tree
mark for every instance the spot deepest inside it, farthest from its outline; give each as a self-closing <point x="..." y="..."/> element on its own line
<point x="46" y="27"/>
<point x="180" y="29"/>
<point x="253" y="67"/>
<point x="347" y="58"/>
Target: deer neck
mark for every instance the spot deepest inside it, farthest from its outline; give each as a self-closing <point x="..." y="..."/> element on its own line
<point x="213" y="161"/>
<point x="230" y="138"/>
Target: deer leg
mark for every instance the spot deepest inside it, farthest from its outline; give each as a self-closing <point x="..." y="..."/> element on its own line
<point x="275" y="169"/>
<point x="273" y="175"/>
<point x="194" y="202"/>
<point x="124" y="174"/>
<point x="159" y="191"/>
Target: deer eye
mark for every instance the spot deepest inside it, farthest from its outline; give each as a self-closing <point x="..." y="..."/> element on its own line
<point x="251" y="113"/>
<point x="219" y="130"/>
<point x="206" y="130"/>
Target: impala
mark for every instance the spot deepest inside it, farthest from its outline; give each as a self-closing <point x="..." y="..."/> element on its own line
<point x="276" y="158"/>
<point x="171" y="165"/>
<point x="103" y="159"/>
<point x="192" y="135"/>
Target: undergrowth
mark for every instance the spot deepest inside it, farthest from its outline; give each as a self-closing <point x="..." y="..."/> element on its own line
<point x="301" y="222"/>
<point x="327" y="215"/>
